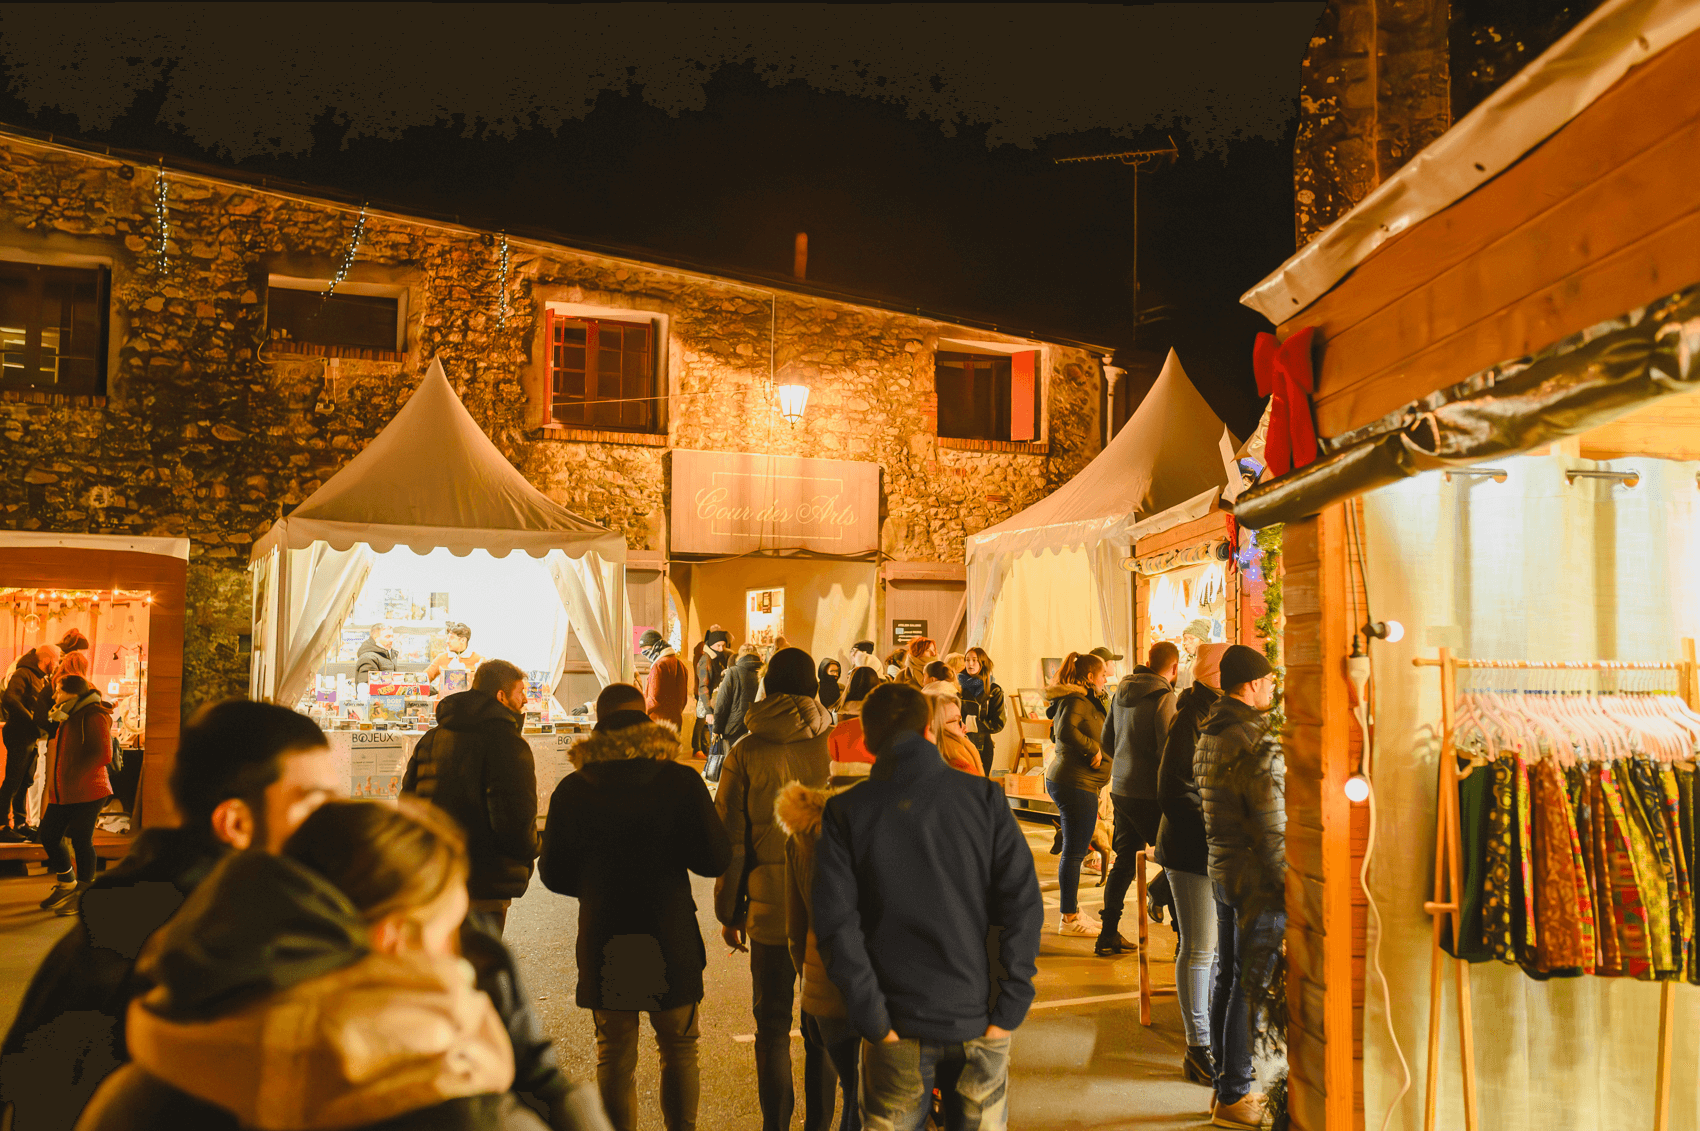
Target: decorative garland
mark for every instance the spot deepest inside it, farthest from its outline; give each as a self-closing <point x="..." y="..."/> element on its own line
<point x="162" y="218"/>
<point x="348" y="257"/>
<point x="1268" y="626"/>
<point x="502" y="288"/>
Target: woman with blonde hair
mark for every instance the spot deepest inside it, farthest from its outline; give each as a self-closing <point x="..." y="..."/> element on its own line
<point x="1076" y="774"/>
<point x="945" y="725"/>
<point x="320" y="988"/>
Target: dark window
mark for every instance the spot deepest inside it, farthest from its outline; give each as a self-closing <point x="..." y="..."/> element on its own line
<point x="53" y="328"/>
<point x="603" y="374"/>
<point x="982" y="397"/>
<point x="365" y="322"/>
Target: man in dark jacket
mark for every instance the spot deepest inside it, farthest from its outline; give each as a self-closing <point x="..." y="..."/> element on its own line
<point x="737" y="695"/>
<point x="1135" y="728"/>
<point x="377" y="653"/>
<point x="1241" y="777"/>
<point x="28" y="699"/>
<point x="475" y="766"/>
<point x="711" y="669"/>
<point x="624" y="832"/>
<point x="927" y="912"/>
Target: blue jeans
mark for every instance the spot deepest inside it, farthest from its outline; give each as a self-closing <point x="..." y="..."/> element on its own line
<point x="1241" y="940"/>
<point x="1078" y="811"/>
<point x="831" y="1047"/>
<point x="1195" y="963"/>
<point x="898" y="1079"/>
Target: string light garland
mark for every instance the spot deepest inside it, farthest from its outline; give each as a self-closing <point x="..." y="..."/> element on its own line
<point x="502" y="288"/>
<point x="162" y="218"/>
<point x="347" y="263"/>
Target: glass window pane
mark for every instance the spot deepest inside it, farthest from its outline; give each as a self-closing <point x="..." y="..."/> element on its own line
<point x="350" y="321"/>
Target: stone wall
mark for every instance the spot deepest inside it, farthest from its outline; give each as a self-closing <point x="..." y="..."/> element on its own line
<point x="204" y="434"/>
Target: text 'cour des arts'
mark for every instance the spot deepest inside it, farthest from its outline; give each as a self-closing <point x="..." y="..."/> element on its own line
<point x="197" y="378"/>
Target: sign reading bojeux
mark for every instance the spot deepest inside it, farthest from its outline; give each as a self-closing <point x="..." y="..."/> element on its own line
<point x="732" y="503"/>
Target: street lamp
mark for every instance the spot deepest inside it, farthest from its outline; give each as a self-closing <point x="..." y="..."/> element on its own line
<point x="793" y="399"/>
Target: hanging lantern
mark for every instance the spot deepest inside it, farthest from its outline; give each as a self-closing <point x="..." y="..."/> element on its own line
<point x="793" y="399"/>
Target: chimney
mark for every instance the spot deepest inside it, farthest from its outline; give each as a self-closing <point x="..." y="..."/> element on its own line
<point x="800" y="260"/>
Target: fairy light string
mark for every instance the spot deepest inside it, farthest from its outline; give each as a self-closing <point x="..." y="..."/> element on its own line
<point x="162" y="218"/>
<point x="502" y="288"/>
<point x="347" y="263"/>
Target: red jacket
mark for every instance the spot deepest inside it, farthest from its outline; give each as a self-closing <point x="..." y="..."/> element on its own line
<point x="78" y="755"/>
<point x="846" y="741"/>
<point x="667" y="688"/>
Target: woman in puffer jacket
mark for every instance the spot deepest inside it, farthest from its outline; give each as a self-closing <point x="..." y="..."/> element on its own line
<point x="831" y="1045"/>
<point x="319" y="990"/>
<point x="1077" y="773"/>
<point x="77" y="787"/>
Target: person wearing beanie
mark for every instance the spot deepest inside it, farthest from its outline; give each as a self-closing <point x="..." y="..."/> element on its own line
<point x="1241" y="776"/>
<point x="667" y="688"/>
<point x="1195" y="635"/>
<point x="77" y="788"/>
<point x="787" y="742"/>
<point x="711" y="664"/>
<point x="830" y="689"/>
<point x="1134" y="731"/>
<point x="73" y="641"/>
<point x="738" y="692"/>
<point x="625" y="831"/>
<point x="862" y="655"/>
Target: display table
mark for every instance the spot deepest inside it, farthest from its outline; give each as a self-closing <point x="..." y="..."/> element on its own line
<point x="372" y="761"/>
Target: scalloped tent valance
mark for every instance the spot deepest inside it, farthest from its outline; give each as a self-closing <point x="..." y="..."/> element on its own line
<point x="431" y="479"/>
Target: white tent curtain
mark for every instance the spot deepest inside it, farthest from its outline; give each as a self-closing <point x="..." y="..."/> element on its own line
<point x="986" y="576"/>
<point x="1114" y="587"/>
<point x="323" y="584"/>
<point x="594" y="593"/>
<point x="1532" y="568"/>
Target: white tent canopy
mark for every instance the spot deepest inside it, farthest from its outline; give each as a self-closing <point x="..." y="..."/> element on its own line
<point x="430" y="479"/>
<point x="1168" y="458"/>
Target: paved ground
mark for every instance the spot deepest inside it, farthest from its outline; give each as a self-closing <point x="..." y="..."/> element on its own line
<point x="1081" y="1061"/>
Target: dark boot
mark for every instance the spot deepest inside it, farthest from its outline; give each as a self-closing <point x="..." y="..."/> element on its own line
<point x="1198" y="1067"/>
<point x="1110" y="941"/>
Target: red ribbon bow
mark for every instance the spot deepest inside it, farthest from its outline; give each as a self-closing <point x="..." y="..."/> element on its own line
<point x="1284" y="375"/>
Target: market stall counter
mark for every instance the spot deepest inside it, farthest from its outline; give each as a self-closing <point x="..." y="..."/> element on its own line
<point x="372" y="761"/>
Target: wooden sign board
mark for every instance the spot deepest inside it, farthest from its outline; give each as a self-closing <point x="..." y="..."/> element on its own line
<point x="735" y="502"/>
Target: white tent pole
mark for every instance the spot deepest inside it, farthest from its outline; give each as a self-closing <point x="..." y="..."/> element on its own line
<point x="281" y="612"/>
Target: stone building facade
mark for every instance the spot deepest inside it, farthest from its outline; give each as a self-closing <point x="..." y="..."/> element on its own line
<point x="203" y="428"/>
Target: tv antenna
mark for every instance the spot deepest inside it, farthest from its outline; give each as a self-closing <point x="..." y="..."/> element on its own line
<point x="1135" y="159"/>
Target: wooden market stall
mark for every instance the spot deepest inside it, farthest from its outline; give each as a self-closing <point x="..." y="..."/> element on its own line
<point x="1510" y="310"/>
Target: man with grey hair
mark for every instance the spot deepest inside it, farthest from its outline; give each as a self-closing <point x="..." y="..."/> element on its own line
<point x="28" y="699"/>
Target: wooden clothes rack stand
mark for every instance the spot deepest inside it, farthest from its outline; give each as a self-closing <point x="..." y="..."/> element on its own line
<point x="1449" y="884"/>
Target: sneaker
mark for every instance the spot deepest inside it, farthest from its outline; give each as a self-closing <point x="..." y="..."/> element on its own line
<point x="1245" y="1114"/>
<point x="1079" y="925"/>
<point x="58" y="895"/>
<point x="72" y="903"/>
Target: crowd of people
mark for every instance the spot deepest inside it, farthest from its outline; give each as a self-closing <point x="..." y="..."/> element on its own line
<point x="286" y="960"/>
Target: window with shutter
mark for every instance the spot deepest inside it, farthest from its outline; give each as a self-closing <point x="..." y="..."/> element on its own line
<point x="602" y="374"/>
<point x="987" y="396"/>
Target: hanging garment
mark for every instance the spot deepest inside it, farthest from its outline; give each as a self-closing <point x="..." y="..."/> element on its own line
<point x="1560" y="946"/>
<point x="1630" y="874"/>
<point x="1474" y="794"/>
<point x="1501" y="853"/>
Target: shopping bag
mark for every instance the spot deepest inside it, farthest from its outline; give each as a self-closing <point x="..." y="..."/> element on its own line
<point x="716" y="757"/>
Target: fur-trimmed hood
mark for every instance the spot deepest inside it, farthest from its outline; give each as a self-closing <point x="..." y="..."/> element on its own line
<point x="646" y="740"/>
<point x="799" y="808"/>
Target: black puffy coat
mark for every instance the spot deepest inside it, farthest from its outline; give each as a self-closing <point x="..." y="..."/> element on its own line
<point x="1077" y="728"/>
<point x="624" y="832"/>
<point x="1181" y="840"/>
<point x="1242" y="782"/>
<point x="28" y="699"/>
<point x="476" y="767"/>
<point x="373" y="657"/>
<point x="1135" y="730"/>
<point x="736" y="696"/>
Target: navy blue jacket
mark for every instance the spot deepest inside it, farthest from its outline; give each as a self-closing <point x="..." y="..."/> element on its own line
<point x="922" y="876"/>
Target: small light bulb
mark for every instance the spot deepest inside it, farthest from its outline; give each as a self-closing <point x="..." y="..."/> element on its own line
<point x="1395" y="632"/>
<point x="1357" y="789"/>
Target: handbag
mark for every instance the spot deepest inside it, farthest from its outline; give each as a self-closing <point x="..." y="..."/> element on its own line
<point x="716" y="758"/>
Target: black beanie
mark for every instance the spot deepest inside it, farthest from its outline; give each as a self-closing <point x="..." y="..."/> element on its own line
<point x="1242" y="665"/>
<point x="791" y="671"/>
<point x="718" y="636"/>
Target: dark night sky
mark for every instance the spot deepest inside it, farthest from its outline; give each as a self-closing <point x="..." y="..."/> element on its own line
<point x="914" y="143"/>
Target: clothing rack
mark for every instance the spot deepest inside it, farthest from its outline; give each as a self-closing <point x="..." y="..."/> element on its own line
<point x="1449" y="882"/>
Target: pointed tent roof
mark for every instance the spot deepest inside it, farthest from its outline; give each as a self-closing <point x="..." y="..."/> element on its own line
<point x="1167" y="455"/>
<point x="433" y="478"/>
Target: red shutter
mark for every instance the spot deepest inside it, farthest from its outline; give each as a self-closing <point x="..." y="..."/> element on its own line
<point x="548" y="366"/>
<point x="1023" y="398"/>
